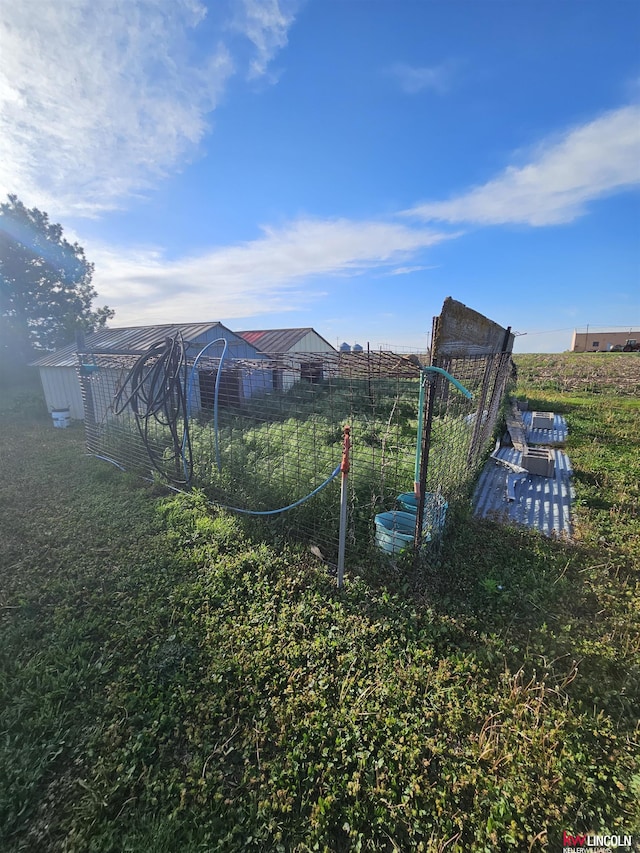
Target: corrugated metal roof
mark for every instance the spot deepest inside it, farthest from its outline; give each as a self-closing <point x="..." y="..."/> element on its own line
<point x="275" y="340"/>
<point x="131" y="338"/>
<point x="543" y="503"/>
<point x="557" y="435"/>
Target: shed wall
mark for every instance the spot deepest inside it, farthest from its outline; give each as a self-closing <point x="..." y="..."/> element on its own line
<point x="237" y="347"/>
<point x="312" y="342"/>
<point x="61" y="388"/>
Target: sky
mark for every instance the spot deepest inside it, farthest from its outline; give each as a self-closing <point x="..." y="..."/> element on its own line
<point x="340" y="164"/>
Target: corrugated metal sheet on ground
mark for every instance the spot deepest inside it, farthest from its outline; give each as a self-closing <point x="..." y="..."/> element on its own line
<point x="549" y="437"/>
<point x="543" y="503"/>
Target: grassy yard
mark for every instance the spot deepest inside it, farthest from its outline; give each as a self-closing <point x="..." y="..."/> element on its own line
<point x="170" y="683"/>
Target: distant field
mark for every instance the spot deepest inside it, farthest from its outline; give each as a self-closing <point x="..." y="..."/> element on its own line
<point x="598" y="373"/>
<point x="169" y="682"/>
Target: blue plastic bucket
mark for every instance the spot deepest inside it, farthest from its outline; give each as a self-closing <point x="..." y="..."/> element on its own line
<point x="408" y="502"/>
<point x="394" y="531"/>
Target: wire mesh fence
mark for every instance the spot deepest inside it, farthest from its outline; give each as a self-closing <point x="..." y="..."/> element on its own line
<point x="461" y="429"/>
<point x="263" y="436"/>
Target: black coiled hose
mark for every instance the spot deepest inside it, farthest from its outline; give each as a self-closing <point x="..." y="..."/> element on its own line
<point x="156" y="391"/>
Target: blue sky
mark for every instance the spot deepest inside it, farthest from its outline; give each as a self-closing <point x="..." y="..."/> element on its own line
<point x="341" y="164"/>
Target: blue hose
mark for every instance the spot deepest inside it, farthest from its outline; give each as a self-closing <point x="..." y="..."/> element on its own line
<point x="451" y="379"/>
<point x="423" y="378"/>
<point x="329" y="479"/>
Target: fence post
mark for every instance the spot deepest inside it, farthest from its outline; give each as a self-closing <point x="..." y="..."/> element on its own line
<point x="426" y="443"/>
<point x="90" y="426"/>
<point x="424" y="460"/>
<point x="344" y="468"/>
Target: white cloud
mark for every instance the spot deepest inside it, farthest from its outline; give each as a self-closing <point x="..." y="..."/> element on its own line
<point x="100" y="100"/>
<point x="265" y="23"/>
<point x="564" y="175"/>
<point x="414" y="78"/>
<point x="409" y="270"/>
<point x="268" y="274"/>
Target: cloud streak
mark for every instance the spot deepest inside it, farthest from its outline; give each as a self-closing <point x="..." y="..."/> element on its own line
<point x="266" y="24"/>
<point x="563" y="176"/>
<point x="271" y="273"/>
<point x="99" y="101"/>
<point x="413" y="79"/>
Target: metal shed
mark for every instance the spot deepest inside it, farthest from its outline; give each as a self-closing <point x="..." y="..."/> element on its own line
<point x="277" y="343"/>
<point x="59" y="370"/>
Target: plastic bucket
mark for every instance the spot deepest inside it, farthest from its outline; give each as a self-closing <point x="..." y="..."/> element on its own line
<point x="408" y="502"/>
<point x="61" y="418"/>
<point x="394" y="531"/>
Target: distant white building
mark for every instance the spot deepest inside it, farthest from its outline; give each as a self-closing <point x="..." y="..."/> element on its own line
<point x="603" y="339"/>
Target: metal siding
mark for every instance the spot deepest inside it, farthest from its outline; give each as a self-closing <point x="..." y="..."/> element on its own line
<point x="312" y="342"/>
<point x="256" y="383"/>
<point x="61" y="389"/>
<point x="58" y="370"/>
<point x="289" y="379"/>
<point x="194" y="399"/>
<point x="237" y="346"/>
<point x="138" y="339"/>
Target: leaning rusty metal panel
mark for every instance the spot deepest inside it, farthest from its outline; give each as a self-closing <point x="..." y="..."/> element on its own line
<point x="458" y="430"/>
<point x="505" y="494"/>
<point x="461" y="331"/>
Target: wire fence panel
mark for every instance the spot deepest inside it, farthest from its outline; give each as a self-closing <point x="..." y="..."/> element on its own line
<point x="263" y="436"/>
<point x="461" y="429"/>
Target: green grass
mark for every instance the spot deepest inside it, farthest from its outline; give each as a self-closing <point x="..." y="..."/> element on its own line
<point x="169" y="682"/>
